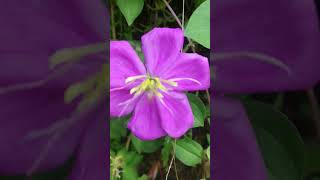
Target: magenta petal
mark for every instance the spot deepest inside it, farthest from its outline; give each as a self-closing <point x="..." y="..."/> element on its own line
<point x="191" y="71"/>
<point x="124" y="63"/>
<point x="176" y="114"/>
<point x="160" y="47"/>
<point x="91" y="162"/>
<point x="287" y="30"/>
<point x="235" y="150"/>
<point x="121" y="102"/>
<point x="145" y="122"/>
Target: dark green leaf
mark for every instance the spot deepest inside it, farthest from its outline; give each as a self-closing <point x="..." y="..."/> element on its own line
<point x="279" y="141"/>
<point x="198" y="110"/>
<point x="146" y="146"/>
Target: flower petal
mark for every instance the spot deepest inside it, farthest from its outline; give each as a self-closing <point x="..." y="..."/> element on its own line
<point x="287" y="30"/>
<point x="124" y="63"/>
<point x="145" y="122"/>
<point x="235" y="148"/>
<point x="190" y="71"/>
<point x="176" y="114"/>
<point x="121" y="102"/>
<point x="160" y="47"/>
<point x="91" y="162"/>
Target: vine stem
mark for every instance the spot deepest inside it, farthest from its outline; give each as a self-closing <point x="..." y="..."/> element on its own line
<point x="315" y="111"/>
<point x="113" y="29"/>
<point x="172" y="159"/>
<point x="179" y="22"/>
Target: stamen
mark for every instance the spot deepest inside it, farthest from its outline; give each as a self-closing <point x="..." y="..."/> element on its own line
<point x="171" y="83"/>
<point x="253" y="56"/>
<point x="166" y="106"/>
<point x="185" y="79"/>
<point x="134" y="78"/>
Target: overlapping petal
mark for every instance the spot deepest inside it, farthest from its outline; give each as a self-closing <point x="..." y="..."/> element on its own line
<point x="190" y="71"/>
<point x="161" y="47"/>
<point x="122" y="102"/>
<point x="287" y="30"/>
<point x="124" y="63"/>
<point x="146" y="120"/>
<point x="235" y="151"/>
<point x="175" y="113"/>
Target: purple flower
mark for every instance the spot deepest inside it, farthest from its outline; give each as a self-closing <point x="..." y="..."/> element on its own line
<point x="286" y="30"/>
<point x="155" y="92"/>
<point x="33" y="31"/>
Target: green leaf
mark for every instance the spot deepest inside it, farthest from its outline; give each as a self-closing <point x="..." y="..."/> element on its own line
<point x="146" y="146"/>
<point x="165" y="151"/>
<point x="312" y="162"/>
<point x="144" y="177"/>
<point x="281" y="145"/>
<point x="130" y="9"/>
<point x="198" y="110"/>
<point x="71" y="55"/>
<point x="198" y="27"/>
<point x="129" y="173"/>
<point x="118" y="128"/>
<point x="208" y="152"/>
<point x="188" y="151"/>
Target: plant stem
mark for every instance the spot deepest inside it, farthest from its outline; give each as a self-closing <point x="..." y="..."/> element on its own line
<point x="172" y="159"/>
<point x="179" y="23"/>
<point x="113" y="29"/>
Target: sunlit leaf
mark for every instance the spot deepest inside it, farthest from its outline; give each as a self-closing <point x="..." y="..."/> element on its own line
<point x="198" y="27"/>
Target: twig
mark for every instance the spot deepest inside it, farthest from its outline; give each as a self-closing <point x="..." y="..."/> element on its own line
<point x="172" y="159"/>
<point x="113" y="29"/>
<point x="128" y="143"/>
<point x="180" y="24"/>
<point x="182" y="13"/>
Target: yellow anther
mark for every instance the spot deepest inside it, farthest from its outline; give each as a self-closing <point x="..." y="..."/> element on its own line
<point x="151" y="85"/>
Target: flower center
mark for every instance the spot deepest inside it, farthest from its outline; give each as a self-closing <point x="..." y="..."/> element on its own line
<point x="151" y="85"/>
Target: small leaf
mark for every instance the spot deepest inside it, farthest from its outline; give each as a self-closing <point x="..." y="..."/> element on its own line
<point x="208" y="152"/>
<point x="198" y="110"/>
<point x="118" y="128"/>
<point x="188" y="151"/>
<point x="74" y="54"/>
<point x="146" y="146"/>
<point x="129" y="173"/>
<point x="130" y="9"/>
<point x="198" y="27"/>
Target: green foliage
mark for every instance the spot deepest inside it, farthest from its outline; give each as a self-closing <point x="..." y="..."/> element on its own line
<point x="118" y="128"/>
<point x="130" y="9"/>
<point x="146" y="146"/>
<point x="198" y="27"/>
<point x="165" y="151"/>
<point x="279" y="141"/>
<point x="198" y="110"/>
<point x="188" y="151"/>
